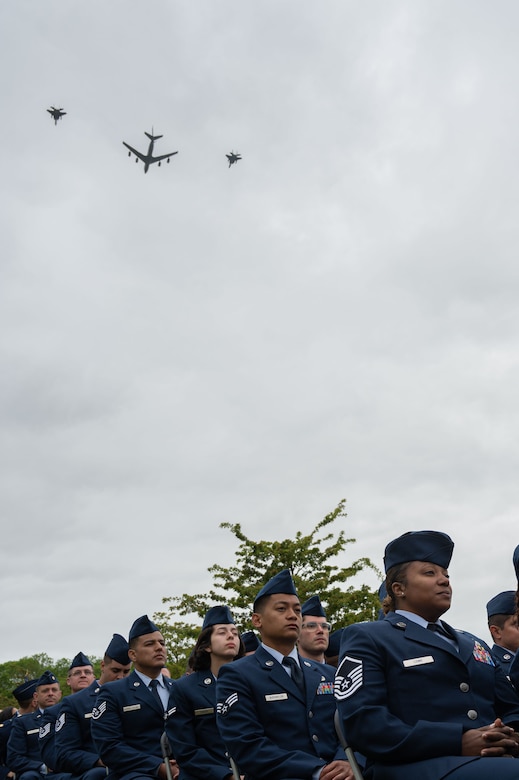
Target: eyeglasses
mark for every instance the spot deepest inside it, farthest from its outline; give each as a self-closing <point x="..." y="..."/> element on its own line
<point x="81" y="672"/>
<point x="312" y="625"/>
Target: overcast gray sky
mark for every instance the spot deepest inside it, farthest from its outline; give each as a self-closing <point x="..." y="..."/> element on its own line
<point x="334" y="316"/>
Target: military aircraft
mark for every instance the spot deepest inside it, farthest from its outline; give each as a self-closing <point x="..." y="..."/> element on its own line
<point x="56" y="113"/>
<point x="233" y="157"/>
<point x="148" y="159"/>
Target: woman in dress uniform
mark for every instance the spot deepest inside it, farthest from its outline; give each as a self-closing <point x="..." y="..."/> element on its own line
<point x="417" y="698"/>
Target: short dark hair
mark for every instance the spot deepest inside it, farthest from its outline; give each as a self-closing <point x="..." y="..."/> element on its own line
<point x="498" y="620"/>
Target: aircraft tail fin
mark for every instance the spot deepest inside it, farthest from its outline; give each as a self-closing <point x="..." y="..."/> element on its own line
<point x="151" y="136"/>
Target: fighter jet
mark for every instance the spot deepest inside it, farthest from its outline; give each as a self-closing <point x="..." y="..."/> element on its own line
<point x="148" y="159"/>
<point x="56" y="113"/>
<point x="233" y="157"/>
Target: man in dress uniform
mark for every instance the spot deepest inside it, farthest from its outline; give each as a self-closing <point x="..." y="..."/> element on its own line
<point x="80" y="675"/>
<point x="417" y="698"/>
<point x="23" y="750"/>
<point x="275" y="709"/>
<point x="502" y="624"/>
<point x="75" y="750"/>
<point x="24" y="695"/>
<point x="191" y="726"/>
<point x="315" y="630"/>
<point x="128" y="719"/>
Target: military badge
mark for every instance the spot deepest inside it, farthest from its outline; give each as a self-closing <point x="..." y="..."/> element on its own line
<point x="482" y="655"/>
<point x="98" y="711"/>
<point x="324" y="687"/>
<point x="44" y="730"/>
<point x="60" y="722"/>
<point x="348" y="678"/>
<point x="223" y="707"/>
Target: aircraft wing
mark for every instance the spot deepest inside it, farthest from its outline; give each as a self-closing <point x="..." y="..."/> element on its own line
<point x="140" y="155"/>
<point x="163" y="156"/>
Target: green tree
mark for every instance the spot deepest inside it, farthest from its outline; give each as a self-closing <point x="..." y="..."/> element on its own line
<point x="311" y="559"/>
<point x="13" y="673"/>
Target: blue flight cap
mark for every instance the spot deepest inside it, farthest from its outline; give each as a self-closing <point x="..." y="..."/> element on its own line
<point x="117" y="650"/>
<point x="334" y="645"/>
<point x="313" y="606"/>
<point x="47" y="678"/>
<point x="502" y="604"/>
<point x="143" y="625"/>
<point x="25" y="691"/>
<point x="516" y="562"/>
<point x="80" y="660"/>
<point x="382" y="592"/>
<point x="281" y="582"/>
<point x="250" y="641"/>
<point x="220" y="614"/>
<point x="431" y="546"/>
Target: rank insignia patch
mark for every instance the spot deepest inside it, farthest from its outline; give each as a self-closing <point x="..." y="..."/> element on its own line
<point x="223" y="707"/>
<point x="348" y="678"/>
<point x="98" y="711"/>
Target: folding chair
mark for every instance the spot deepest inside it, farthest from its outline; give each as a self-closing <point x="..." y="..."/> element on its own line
<point x="167" y="753"/>
<point x="235" y="772"/>
<point x="350" y="755"/>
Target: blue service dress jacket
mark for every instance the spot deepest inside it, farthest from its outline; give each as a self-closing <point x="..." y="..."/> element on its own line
<point x="47" y="743"/>
<point x="23" y="750"/>
<point x="75" y="750"/>
<point x="405" y="697"/>
<point x="192" y="730"/>
<point x="269" y="727"/>
<point x="127" y="724"/>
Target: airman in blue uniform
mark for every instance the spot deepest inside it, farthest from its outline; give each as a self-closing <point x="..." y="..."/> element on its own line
<point x="502" y="624"/>
<point x="128" y="719"/>
<point x="275" y="709"/>
<point x="191" y="726"/>
<point x="23" y="748"/>
<point x="75" y="750"/>
<point x="24" y="695"/>
<point x="417" y="698"/>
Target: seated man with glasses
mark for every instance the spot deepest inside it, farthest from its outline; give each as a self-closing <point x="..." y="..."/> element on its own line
<point x="80" y="675"/>
<point x="315" y="631"/>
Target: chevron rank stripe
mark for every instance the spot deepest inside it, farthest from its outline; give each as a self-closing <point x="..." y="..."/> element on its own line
<point x="349" y="678"/>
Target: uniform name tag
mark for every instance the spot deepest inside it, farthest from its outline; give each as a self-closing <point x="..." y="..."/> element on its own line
<point x="275" y="696"/>
<point x="87" y="715"/>
<point x="131" y="707"/>
<point x="33" y="731"/>
<point x="424" y="659"/>
<point x="205" y="711"/>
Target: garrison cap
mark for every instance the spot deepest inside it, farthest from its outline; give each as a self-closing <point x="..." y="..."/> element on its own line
<point x="250" y="641"/>
<point x="502" y="604"/>
<point x="117" y="650"/>
<point x="47" y="678"/>
<point x="281" y="582"/>
<point x="313" y="606"/>
<point x="431" y="546"/>
<point x="219" y="614"/>
<point x="143" y="625"/>
<point x="25" y="691"/>
<point x="80" y="660"/>
<point x="334" y="645"/>
<point x="516" y="562"/>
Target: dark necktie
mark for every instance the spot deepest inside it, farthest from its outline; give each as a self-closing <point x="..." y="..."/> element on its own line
<point x="439" y="629"/>
<point x="155" y="691"/>
<point x="296" y="673"/>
